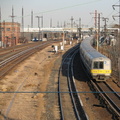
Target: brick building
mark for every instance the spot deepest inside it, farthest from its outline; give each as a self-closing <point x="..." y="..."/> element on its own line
<point x="10" y="33"/>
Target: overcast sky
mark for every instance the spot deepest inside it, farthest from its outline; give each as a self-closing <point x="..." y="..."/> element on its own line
<point x="58" y="11"/>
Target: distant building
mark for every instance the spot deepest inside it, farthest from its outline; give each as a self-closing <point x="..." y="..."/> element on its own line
<point x="10" y="34"/>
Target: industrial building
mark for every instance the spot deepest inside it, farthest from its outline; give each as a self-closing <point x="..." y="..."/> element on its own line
<point x="9" y="34"/>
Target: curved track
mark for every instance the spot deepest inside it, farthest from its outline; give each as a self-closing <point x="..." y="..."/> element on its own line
<point x="70" y="104"/>
<point x="108" y="97"/>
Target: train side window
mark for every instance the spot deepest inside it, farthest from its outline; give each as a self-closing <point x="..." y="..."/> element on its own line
<point x="95" y="66"/>
<point x="101" y="65"/>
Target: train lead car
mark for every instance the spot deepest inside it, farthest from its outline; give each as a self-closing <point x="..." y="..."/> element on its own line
<point x="98" y="65"/>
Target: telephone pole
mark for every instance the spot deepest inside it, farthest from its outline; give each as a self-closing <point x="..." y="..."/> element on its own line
<point x="38" y="26"/>
<point x="12" y="35"/>
<point x="41" y="21"/>
<point x="58" y="24"/>
<point x="22" y="24"/>
<point x="51" y="23"/>
<point x="72" y="26"/>
<point x="98" y="31"/>
<point x="79" y="28"/>
<point x="32" y="24"/>
<point x="42" y="27"/>
<point x="117" y="15"/>
<point x="95" y="18"/>
<point x="105" y="25"/>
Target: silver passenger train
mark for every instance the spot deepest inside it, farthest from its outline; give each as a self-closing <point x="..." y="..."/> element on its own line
<point x="98" y="65"/>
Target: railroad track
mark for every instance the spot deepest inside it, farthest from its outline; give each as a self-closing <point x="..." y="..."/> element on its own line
<point x="7" y="64"/>
<point x="70" y="104"/>
<point x="10" y="51"/>
<point x="108" y="98"/>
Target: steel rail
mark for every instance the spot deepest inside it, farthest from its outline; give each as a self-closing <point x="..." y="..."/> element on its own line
<point x="70" y="87"/>
<point x="65" y="56"/>
<point x="30" y="51"/>
<point x="15" y="49"/>
<point x="103" y="95"/>
<point x="70" y="56"/>
<point x="117" y="95"/>
<point x="4" y="62"/>
<point x="81" y="114"/>
<point x="10" y="62"/>
<point x="108" y="101"/>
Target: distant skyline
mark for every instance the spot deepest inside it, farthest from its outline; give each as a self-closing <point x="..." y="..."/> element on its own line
<point x="59" y="11"/>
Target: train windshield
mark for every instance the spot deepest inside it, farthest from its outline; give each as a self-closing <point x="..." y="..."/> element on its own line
<point x="98" y="65"/>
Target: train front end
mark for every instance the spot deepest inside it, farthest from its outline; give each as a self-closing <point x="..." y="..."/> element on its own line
<point x="101" y="69"/>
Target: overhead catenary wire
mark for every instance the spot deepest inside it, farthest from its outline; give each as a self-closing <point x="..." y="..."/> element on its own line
<point x="62" y="8"/>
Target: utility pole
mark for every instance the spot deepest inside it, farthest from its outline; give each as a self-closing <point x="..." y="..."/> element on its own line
<point x="72" y="26"/>
<point x="22" y="24"/>
<point x="42" y="26"/>
<point x="61" y="25"/>
<point x="32" y="24"/>
<point x="79" y="28"/>
<point x="12" y="35"/>
<point x="72" y="21"/>
<point x="38" y="26"/>
<point x="4" y="27"/>
<point x="95" y="23"/>
<point x="58" y="24"/>
<point x="98" y="30"/>
<point x="105" y="25"/>
<point x="64" y="24"/>
<point x="51" y="23"/>
<point x="41" y="21"/>
<point x="31" y="19"/>
<point x="95" y="18"/>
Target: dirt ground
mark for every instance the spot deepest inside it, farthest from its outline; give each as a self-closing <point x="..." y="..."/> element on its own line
<point x="29" y="76"/>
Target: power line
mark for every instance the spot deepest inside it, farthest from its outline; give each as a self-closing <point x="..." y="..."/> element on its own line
<point x="67" y="7"/>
